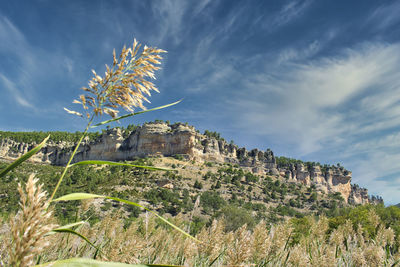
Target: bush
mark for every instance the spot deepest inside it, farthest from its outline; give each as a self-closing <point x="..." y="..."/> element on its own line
<point x="211" y="200"/>
<point x="235" y="217"/>
<point x="198" y="185"/>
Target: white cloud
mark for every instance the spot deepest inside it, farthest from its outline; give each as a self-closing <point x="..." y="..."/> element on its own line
<point x="341" y="108"/>
<point x="291" y="54"/>
<point x="201" y="5"/>
<point x="370" y="170"/>
<point x="11" y="36"/>
<point x="27" y="66"/>
<point x="69" y="64"/>
<point x="288" y="13"/>
<point x="14" y="44"/>
<point x="170" y="15"/>
<point x="385" y="16"/>
<point x="308" y="104"/>
<point x="15" y="93"/>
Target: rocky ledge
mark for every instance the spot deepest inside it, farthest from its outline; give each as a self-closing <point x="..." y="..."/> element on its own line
<point x="162" y="139"/>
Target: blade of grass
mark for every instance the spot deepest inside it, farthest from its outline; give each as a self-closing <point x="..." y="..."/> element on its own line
<point x="220" y="254"/>
<point x="103" y="162"/>
<point x="67" y="226"/>
<point x="70" y="231"/>
<point x="135" y="113"/>
<point x="70" y="159"/>
<point x="81" y="196"/>
<point x="24" y="157"/>
<point x="77" y="196"/>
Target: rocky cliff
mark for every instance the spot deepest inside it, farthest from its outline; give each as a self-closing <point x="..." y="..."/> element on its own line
<point x="162" y="139"/>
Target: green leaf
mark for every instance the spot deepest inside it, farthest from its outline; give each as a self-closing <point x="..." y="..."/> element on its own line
<point x="103" y="162"/>
<point x="77" y="196"/>
<point x="24" y="157"/>
<point x="85" y="262"/>
<point x="80" y="196"/>
<point x="67" y="226"/>
<point x="70" y="231"/>
<point x="70" y="225"/>
<point x="135" y="113"/>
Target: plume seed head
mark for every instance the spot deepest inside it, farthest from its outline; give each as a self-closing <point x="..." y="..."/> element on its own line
<point x="126" y="84"/>
<point x="29" y="226"/>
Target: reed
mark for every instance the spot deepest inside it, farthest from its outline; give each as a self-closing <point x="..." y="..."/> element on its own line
<point x="30" y="225"/>
<point x="262" y="246"/>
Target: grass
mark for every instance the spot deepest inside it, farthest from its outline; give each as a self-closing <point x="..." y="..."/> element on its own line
<point x="148" y="241"/>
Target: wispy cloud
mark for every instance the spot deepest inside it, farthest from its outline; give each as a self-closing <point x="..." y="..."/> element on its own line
<point x="14" y="43"/>
<point x="15" y="93"/>
<point x="24" y="66"/>
<point x="290" y="11"/>
<point x="170" y="15"/>
<point x="380" y="173"/>
<point x="308" y="103"/>
<point x="385" y="16"/>
<point x="291" y="54"/>
<point x="11" y="36"/>
<point x="346" y="104"/>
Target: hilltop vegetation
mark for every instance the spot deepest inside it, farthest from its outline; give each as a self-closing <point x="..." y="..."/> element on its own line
<point x="37" y="137"/>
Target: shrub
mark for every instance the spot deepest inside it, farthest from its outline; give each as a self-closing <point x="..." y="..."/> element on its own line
<point x="235" y="217"/>
<point x="211" y="200"/>
<point x="198" y="185"/>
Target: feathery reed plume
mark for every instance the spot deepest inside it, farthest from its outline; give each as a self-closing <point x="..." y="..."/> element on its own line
<point x="125" y="84"/>
<point x="240" y="247"/>
<point x="261" y="241"/>
<point x="212" y="239"/>
<point x="30" y="224"/>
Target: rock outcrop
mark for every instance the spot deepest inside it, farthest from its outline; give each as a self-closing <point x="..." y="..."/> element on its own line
<point x="162" y="139"/>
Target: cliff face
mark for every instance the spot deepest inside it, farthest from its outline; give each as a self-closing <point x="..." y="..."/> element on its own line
<point x="161" y="139"/>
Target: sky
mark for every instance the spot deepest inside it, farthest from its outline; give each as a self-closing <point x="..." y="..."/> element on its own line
<point x="312" y="80"/>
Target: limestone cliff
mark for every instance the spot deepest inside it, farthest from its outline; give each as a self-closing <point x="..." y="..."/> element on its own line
<point x="161" y="139"/>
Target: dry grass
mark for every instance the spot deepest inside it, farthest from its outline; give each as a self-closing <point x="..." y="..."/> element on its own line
<point x="29" y="226"/>
<point x="148" y="241"/>
<point x="124" y="85"/>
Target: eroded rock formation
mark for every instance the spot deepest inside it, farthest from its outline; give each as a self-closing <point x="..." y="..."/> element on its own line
<point x="161" y="139"/>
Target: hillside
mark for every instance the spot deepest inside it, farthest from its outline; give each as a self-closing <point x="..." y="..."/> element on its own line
<point x="222" y="176"/>
<point x="218" y="186"/>
<point x="161" y="139"/>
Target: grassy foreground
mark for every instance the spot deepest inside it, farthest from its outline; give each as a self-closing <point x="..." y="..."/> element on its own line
<point x="302" y="242"/>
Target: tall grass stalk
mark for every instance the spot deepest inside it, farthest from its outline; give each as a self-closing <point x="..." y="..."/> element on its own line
<point x="70" y="159"/>
<point x="124" y="85"/>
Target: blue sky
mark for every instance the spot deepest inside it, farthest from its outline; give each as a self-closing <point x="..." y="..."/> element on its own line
<point x="315" y="80"/>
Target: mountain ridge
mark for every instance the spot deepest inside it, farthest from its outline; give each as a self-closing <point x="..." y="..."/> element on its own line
<point x="161" y="139"/>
